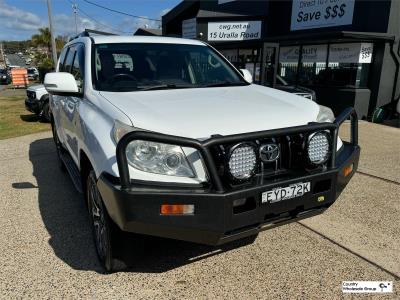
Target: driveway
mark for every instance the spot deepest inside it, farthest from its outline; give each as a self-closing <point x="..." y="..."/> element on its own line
<point x="47" y="249"/>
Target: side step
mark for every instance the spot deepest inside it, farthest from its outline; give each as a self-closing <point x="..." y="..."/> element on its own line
<point x="72" y="170"/>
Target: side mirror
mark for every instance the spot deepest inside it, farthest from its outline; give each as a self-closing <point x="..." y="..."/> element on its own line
<point x="61" y="84"/>
<point x="247" y="75"/>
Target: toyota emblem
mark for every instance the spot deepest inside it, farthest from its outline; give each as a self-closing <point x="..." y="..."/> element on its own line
<point x="269" y="152"/>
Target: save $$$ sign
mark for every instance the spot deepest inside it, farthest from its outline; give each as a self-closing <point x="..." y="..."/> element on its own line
<point x="308" y="14"/>
<point x="234" y="31"/>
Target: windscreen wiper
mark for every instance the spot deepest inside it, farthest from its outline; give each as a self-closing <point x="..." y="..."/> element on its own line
<point x="225" y="83"/>
<point x="164" y="87"/>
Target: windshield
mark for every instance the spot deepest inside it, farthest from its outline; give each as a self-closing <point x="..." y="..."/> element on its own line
<point x="135" y="67"/>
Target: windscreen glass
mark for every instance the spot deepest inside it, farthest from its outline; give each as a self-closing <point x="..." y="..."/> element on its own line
<point x="151" y="66"/>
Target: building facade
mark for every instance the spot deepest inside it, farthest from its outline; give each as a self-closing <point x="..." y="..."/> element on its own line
<point x="347" y="51"/>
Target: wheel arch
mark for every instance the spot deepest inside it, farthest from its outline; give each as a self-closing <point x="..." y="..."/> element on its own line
<point x="45" y="98"/>
<point x="85" y="166"/>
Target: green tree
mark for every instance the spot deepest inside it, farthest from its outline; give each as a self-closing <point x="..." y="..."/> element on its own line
<point x="43" y="39"/>
<point x="60" y="43"/>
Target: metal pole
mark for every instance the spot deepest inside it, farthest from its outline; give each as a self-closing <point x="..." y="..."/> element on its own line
<point x="53" y="40"/>
<point x="2" y="55"/>
<point x="75" y="8"/>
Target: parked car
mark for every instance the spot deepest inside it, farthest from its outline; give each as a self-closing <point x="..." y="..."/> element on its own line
<point x="302" y="91"/>
<point x="37" y="101"/>
<point x="33" y="74"/>
<point x="5" y="77"/>
<point x="179" y="144"/>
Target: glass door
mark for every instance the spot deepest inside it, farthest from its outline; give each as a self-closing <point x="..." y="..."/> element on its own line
<point x="269" y="63"/>
<point x="250" y="59"/>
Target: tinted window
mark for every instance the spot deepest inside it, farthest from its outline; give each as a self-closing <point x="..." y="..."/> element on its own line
<point x="77" y="69"/>
<point x="134" y="67"/>
<point x="68" y="60"/>
<point x="61" y="59"/>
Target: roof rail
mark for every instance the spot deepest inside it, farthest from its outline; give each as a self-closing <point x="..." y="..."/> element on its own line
<point x="88" y="33"/>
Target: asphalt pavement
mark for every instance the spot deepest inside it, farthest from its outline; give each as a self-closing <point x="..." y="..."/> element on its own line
<point x="47" y="249"/>
<point x="15" y="60"/>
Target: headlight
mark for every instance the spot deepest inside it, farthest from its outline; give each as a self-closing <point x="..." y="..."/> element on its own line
<point x="318" y="147"/>
<point x="242" y="161"/>
<point x="325" y="115"/>
<point x="158" y="158"/>
<point x="31" y="95"/>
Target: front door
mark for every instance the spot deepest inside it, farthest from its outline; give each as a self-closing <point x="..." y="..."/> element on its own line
<point x="70" y="106"/>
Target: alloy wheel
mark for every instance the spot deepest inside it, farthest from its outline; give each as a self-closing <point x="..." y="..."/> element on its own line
<point x="98" y="219"/>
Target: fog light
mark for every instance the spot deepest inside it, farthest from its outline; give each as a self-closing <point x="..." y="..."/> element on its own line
<point x="318" y="148"/>
<point x="348" y="170"/>
<point x="242" y="161"/>
<point x="177" y="209"/>
<point x="239" y="202"/>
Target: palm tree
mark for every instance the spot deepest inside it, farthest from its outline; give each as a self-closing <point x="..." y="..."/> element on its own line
<point x="43" y="38"/>
<point x="60" y="42"/>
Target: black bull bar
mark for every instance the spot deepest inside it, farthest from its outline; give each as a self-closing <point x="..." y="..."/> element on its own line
<point x="204" y="146"/>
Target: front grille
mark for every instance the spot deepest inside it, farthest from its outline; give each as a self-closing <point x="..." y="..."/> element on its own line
<point x="292" y="159"/>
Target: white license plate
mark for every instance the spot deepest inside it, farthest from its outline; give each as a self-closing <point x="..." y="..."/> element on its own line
<point x="291" y="191"/>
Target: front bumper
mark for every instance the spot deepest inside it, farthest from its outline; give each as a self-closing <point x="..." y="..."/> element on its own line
<point x="214" y="222"/>
<point x="33" y="105"/>
<point x="136" y="208"/>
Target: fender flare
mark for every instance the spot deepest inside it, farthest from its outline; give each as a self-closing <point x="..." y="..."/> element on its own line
<point x="45" y="98"/>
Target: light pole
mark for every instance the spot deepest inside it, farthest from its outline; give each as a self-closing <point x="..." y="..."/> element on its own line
<point x="75" y="9"/>
<point x="53" y="40"/>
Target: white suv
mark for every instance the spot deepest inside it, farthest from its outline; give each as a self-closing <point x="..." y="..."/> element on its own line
<point x="165" y="137"/>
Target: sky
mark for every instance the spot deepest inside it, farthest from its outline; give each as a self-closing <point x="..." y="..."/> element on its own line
<point x="20" y="19"/>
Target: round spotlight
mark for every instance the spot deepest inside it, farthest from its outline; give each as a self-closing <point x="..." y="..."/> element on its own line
<point x="242" y="161"/>
<point x="318" y="147"/>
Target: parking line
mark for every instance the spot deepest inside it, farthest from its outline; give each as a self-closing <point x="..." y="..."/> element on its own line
<point x="395" y="276"/>
<point x="378" y="177"/>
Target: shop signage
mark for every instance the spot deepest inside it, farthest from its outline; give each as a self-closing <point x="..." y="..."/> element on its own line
<point x="289" y="54"/>
<point x="351" y="53"/>
<point x="308" y="14"/>
<point x="189" y="28"/>
<point x="314" y="53"/>
<point x="234" y="31"/>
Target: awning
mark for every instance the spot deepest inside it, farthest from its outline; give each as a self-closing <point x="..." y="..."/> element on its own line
<point x="335" y="36"/>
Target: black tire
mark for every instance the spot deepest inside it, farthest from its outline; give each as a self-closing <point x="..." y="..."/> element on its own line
<point x="104" y="230"/>
<point x="58" y="147"/>
<point x="45" y="114"/>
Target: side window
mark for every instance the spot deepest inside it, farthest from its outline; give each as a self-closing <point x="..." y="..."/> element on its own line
<point x="69" y="60"/>
<point x="78" y="64"/>
<point x="61" y="59"/>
